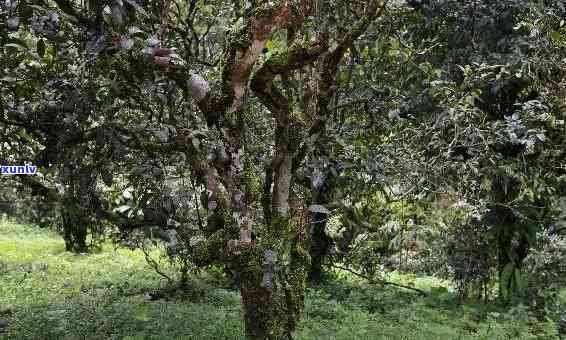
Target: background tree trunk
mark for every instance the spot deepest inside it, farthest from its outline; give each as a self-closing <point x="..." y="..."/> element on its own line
<point x="74" y="229"/>
<point x="320" y="242"/>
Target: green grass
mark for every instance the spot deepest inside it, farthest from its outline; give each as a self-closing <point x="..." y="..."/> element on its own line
<point x="46" y="293"/>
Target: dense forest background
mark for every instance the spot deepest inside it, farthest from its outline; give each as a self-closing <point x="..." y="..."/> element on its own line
<point x="314" y="161"/>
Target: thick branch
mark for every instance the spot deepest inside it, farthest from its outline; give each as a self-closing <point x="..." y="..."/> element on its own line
<point x="332" y="60"/>
<point x="241" y="56"/>
<point x="283" y="63"/>
<point x="263" y="85"/>
<point x="329" y="69"/>
<point x="374" y="10"/>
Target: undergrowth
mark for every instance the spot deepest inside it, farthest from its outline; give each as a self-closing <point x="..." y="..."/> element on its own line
<point x="47" y="293"/>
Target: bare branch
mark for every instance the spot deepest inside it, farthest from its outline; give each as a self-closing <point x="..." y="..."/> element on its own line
<point x="383" y="282"/>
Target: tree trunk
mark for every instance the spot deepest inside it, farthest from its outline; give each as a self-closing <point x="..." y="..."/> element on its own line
<point x="319" y="247"/>
<point x="74" y="224"/>
<point x="273" y="277"/>
<point x="320" y="243"/>
<point x="273" y="312"/>
<point x="74" y="232"/>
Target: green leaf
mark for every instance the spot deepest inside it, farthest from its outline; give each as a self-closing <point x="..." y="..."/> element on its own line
<point x="556" y="36"/>
<point x="123" y="208"/>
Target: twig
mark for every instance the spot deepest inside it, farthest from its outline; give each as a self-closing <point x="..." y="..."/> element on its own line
<point x="200" y="222"/>
<point x="154" y="264"/>
<point x="383" y="282"/>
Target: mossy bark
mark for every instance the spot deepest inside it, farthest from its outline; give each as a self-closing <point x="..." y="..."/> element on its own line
<point x="273" y="276"/>
<point x="273" y="313"/>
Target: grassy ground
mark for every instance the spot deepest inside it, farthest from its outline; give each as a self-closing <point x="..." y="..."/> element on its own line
<point x="46" y="293"/>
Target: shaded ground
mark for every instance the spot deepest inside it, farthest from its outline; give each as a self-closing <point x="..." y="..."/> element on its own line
<point x="46" y="293"/>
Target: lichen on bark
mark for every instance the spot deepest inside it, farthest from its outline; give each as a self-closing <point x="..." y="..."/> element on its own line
<point x="273" y="309"/>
